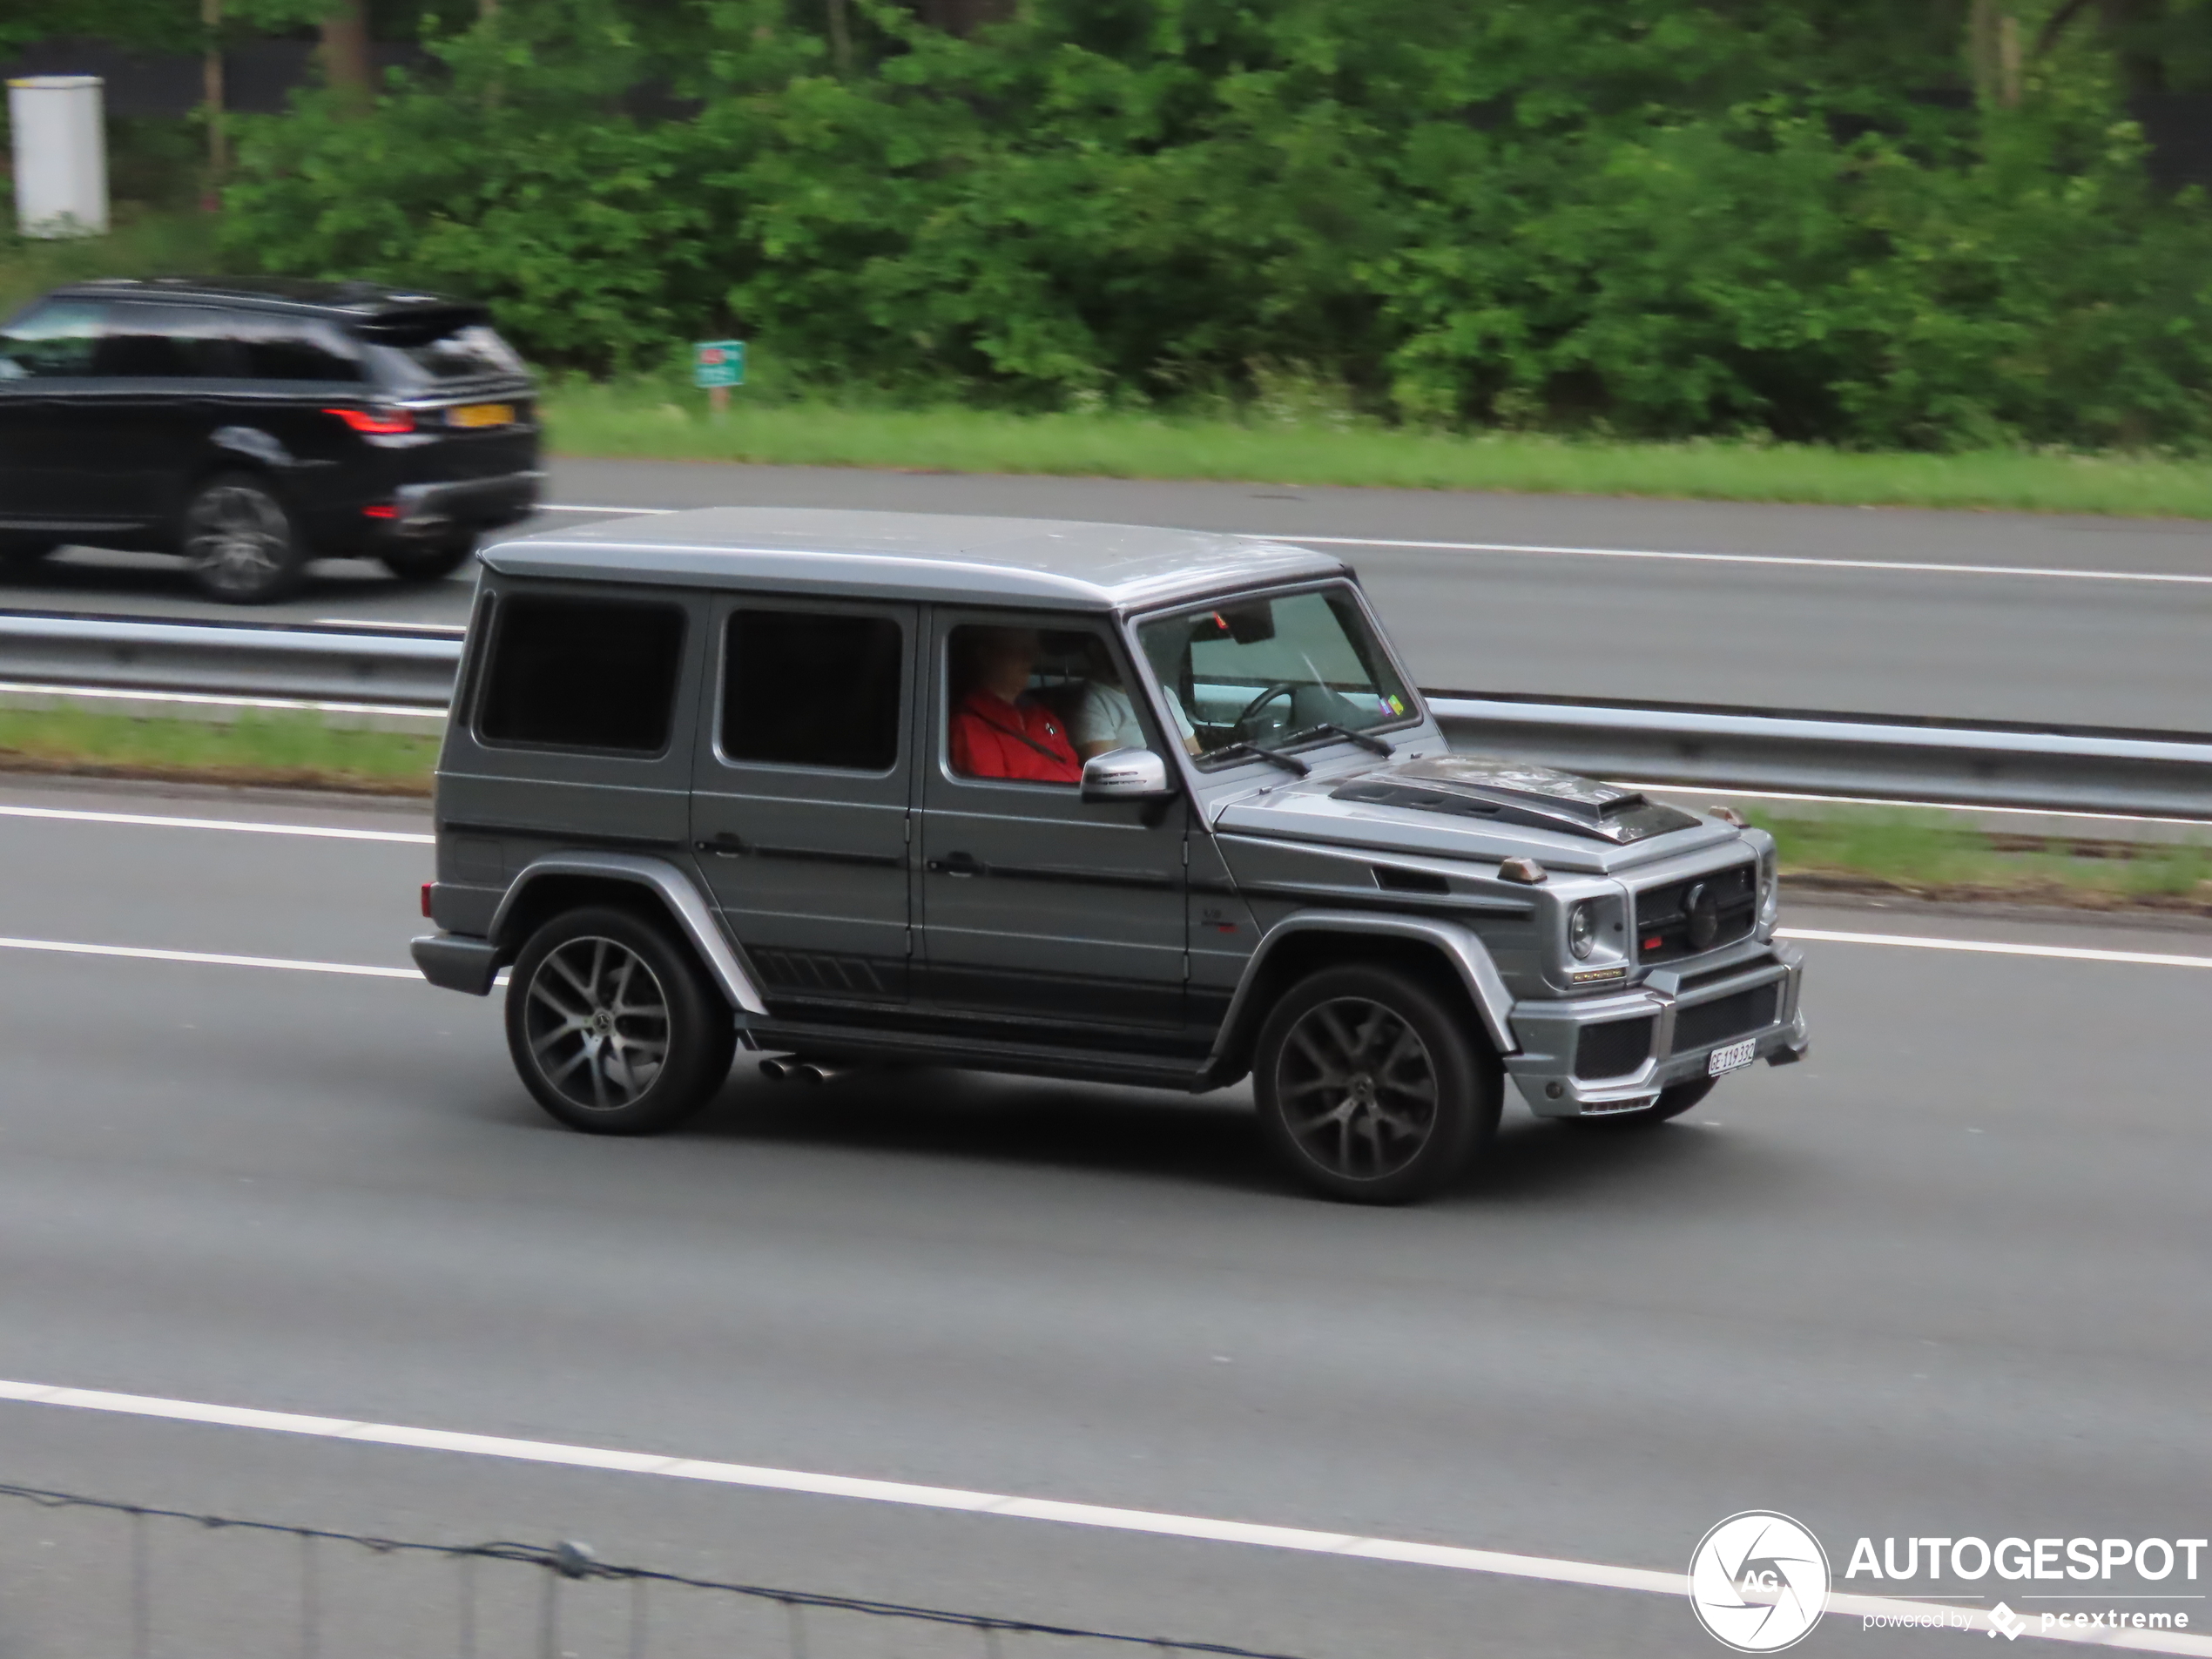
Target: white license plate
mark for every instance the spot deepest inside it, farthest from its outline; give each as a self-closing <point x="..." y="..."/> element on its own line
<point x="1728" y="1059"/>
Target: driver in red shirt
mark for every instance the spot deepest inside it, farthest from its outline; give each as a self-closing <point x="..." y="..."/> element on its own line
<point x="999" y="730"/>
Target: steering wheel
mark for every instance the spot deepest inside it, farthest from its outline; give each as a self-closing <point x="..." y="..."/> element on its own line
<point x="1280" y="688"/>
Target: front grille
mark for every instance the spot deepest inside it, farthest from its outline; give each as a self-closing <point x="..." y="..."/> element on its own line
<point x="1707" y="1024"/>
<point x="1676" y="920"/>
<point x="1614" y="1048"/>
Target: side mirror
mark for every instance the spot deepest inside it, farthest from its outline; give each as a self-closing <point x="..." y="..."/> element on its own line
<point x="1125" y="774"/>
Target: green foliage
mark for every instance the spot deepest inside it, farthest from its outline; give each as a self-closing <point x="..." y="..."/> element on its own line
<point x="1653" y="218"/>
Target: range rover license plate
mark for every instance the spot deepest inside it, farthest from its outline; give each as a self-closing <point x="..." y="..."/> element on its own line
<point x="1728" y="1059"/>
<point x="474" y="415"/>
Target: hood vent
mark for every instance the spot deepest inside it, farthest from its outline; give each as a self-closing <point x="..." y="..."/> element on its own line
<point x="1515" y="792"/>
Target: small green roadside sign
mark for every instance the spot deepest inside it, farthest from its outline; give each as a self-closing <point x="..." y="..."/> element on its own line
<point x="718" y="363"/>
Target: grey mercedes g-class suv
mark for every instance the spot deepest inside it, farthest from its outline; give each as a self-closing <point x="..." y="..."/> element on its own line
<point x="1065" y="799"/>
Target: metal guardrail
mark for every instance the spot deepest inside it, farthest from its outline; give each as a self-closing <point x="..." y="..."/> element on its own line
<point x="2150" y="773"/>
<point x="314" y="660"/>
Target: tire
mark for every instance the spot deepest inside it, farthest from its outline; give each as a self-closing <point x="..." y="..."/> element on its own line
<point x="613" y="1025"/>
<point x="1371" y="1088"/>
<point x="239" y="542"/>
<point x="1672" y="1102"/>
<point x="431" y="561"/>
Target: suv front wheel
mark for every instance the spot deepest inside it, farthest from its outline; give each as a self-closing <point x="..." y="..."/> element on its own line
<point x="613" y="1025"/>
<point x="1370" y="1088"/>
<point x="239" y="541"/>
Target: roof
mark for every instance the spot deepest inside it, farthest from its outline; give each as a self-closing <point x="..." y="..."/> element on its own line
<point x="917" y="556"/>
<point x="286" y="293"/>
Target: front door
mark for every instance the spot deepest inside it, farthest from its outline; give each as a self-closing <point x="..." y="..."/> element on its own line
<point x="1048" y="918"/>
<point x="800" y="797"/>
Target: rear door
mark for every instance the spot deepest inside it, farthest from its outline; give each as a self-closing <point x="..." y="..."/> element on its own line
<point x="802" y="797"/>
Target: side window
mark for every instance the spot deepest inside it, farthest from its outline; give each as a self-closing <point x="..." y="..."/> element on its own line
<point x="803" y="688"/>
<point x="53" y="340"/>
<point x="1017" y="694"/>
<point x="167" y="342"/>
<point x="293" y="349"/>
<point x="581" y="674"/>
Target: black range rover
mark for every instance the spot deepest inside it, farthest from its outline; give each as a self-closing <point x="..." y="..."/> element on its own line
<point x="252" y="425"/>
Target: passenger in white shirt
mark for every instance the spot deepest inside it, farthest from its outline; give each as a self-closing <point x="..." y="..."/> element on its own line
<point x="1104" y="719"/>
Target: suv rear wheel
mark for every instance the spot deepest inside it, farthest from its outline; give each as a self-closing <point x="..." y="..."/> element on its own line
<point x="429" y="561"/>
<point x="613" y="1025"/>
<point x="240" y="542"/>
<point x="1370" y="1088"/>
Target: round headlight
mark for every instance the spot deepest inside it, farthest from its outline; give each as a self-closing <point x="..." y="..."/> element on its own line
<point x="1581" y="930"/>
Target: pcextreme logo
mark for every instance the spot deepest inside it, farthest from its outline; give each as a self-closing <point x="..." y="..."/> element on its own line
<point x="1758" y="1582"/>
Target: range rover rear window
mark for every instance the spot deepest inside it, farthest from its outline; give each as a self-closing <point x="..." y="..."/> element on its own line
<point x="588" y="674"/>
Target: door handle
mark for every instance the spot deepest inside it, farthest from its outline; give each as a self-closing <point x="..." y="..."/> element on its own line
<point x="956" y="864"/>
<point x="723" y="844"/>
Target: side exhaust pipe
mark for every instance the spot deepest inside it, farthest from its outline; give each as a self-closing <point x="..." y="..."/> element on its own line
<point x="789" y="1070"/>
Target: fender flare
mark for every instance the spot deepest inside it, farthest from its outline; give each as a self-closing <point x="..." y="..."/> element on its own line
<point x="1462" y="946"/>
<point x="677" y="895"/>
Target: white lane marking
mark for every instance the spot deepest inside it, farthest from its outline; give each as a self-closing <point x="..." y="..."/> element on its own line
<point x="209" y="959"/>
<point x="1551" y="550"/>
<point x="2063" y="953"/>
<point x="2060" y="573"/>
<point x="373" y="625"/>
<point x="1714" y="792"/>
<point x="322" y="832"/>
<point x="1545" y="1568"/>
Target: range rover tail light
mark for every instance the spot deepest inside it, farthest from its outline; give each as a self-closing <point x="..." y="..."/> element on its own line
<point x="376" y="423"/>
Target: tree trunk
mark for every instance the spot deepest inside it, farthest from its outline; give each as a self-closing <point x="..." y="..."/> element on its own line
<point x="345" y="62"/>
<point x="210" y="91"/>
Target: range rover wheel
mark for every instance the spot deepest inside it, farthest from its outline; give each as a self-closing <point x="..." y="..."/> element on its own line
<point x="429" y="561"/>
<point x="1370" y="1088"/>
<point x="1672" y="1102"/>
<point x="239" y="542"/>
<point x="613" y="1025"/>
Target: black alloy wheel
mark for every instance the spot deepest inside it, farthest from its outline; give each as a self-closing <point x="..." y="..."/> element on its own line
<point x="429" y="561"/>
<point x="613" y="1025"/>
<point x="239" y="542"/>
<point x="1370" y="1086"/>
<point x="1672" y="1102"/>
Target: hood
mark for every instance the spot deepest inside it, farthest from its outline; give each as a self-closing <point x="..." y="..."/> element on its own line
<point x="1465" y="805"/>
<point x="1516" y="791"/>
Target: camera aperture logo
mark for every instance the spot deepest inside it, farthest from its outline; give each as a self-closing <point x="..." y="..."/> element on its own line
<point x="1758" y="1582"/>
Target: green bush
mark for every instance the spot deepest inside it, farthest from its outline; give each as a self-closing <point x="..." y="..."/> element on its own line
<point x="1647" y="218"/>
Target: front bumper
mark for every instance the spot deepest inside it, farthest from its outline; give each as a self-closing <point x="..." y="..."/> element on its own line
<point x="427" y="510"/>
<point x="1549" y="1034"/>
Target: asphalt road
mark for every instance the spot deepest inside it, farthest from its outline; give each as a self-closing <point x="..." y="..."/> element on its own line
<point x="1949" y="1277"/>
<point x="2062" y="620"/>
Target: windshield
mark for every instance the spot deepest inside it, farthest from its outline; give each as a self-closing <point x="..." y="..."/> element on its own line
<point x="1267" y="673"/>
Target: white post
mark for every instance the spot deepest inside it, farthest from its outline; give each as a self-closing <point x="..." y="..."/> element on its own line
<point x="61" y="155"/>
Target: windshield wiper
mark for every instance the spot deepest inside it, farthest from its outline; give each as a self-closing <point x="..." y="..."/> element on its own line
<point x="1329" y="728"/>
<point x="1253" y="752"/>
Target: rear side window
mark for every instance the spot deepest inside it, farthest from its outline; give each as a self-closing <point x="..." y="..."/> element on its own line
<point x="53" y="340"/>
<point x="581" y="674"/>
<point x="807" y="688"/>
<point x="289" y="348"/>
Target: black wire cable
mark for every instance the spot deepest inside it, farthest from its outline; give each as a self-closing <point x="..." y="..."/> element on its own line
<point x="572" y="1560"/>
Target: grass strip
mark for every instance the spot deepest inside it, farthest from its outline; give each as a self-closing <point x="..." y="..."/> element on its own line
<point x="647" y="419"/>
<point x="1912" y="856"/>
<point x="284" y="749"/>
